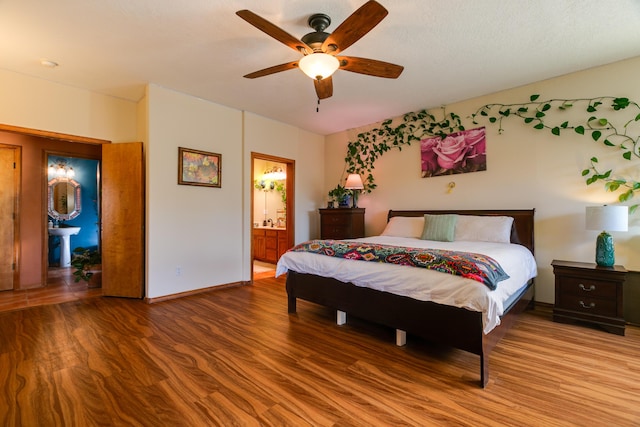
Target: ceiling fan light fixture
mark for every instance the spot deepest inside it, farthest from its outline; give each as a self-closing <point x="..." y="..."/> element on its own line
<point x="319" y="65"/>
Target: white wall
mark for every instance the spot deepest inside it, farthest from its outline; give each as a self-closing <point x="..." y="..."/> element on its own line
<point x="206" y="232"/>
<point x="39" y="104"/>
<point x="197" y="230"/>
<point x="526" y="169"/>
<point x="267" y="136"/>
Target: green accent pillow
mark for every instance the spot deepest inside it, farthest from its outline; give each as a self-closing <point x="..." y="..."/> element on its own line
<point x="439" y="227"/>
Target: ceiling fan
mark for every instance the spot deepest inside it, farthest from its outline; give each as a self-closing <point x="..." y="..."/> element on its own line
<point x="320" y="49"/>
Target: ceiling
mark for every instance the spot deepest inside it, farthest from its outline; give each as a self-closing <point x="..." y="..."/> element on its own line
<point x="451" y="50"/>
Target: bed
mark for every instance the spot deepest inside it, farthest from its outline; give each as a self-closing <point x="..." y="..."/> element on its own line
<point x="456" y="326"/>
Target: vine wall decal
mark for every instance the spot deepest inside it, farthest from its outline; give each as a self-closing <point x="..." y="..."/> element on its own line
<point x="591" y="117"/>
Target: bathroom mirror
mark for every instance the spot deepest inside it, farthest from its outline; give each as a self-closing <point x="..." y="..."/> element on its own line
<point x="64" y="198"/>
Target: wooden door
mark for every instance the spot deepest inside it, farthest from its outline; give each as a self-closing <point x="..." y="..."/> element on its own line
<point x="123" y="220"/>
<point x="9" y="172"/>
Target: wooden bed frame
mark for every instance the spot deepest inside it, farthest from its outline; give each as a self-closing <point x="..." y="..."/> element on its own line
<point x="452" y="326"/>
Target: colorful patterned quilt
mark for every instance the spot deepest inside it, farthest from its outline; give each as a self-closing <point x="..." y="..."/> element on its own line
<point x="474" y="266"/>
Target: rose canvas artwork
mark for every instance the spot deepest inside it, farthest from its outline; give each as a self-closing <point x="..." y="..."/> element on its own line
<point x="459" y="152"/>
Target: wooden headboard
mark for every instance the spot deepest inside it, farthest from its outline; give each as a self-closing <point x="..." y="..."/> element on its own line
<point x="521" y="231"/>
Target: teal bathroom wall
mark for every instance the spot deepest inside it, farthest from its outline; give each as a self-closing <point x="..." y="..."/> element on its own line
<point x="87" y="174"/>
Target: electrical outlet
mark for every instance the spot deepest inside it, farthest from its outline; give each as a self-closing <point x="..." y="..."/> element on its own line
<point x="178" y="271"/>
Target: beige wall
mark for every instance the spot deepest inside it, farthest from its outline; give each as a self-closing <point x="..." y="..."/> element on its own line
<point x="267" y="136"/>
<point x="525" y="169"/>
<point x="40" y="104"/>
<point x="206" y="232"/>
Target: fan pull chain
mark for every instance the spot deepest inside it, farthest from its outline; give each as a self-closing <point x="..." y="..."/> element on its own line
<point x="318" y="106"/>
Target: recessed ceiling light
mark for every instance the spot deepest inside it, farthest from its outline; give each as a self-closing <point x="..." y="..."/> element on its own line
<point x="48" y="63"/>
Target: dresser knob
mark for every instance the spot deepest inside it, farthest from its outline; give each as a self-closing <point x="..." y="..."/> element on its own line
<point x="589" y="289"/>
<point x="591" y="305"/>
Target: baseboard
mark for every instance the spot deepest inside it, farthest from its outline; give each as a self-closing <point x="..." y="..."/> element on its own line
<point x="195" y="292"/>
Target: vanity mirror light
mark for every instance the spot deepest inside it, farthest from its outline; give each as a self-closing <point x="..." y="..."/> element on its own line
<point x="64" y="198"/>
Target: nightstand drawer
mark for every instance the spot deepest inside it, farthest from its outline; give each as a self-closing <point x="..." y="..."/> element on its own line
<point x="589" y="293"/>
<point x="591" y="306"/>
<point x="587" y="288"/>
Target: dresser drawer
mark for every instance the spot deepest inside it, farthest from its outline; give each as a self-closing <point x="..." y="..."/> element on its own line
<point x="335" y="231"/>
<point x="329" y="220"/>
<point x="592" y="306"/>
<point x="587" y="288"/>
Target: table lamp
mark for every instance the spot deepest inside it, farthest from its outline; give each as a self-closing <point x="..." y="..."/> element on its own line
<point x="354" y="182"/>
<point x="606" y="218"/>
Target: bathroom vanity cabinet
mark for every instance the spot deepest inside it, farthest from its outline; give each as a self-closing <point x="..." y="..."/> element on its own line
<point x="269" y="243"/>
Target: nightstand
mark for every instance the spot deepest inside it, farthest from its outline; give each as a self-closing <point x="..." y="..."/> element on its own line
<point x="586" y="292"/>
<point x="342" y="223"/>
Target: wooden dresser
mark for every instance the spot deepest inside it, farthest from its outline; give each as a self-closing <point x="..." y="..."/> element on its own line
<point x="341" y="223"/>
<point x="588" y="293"/>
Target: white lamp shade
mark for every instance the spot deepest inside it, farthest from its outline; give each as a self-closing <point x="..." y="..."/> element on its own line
<point x="607" y="218"/>
<point x="319" y="65"/>
<point x="354" y="182"/>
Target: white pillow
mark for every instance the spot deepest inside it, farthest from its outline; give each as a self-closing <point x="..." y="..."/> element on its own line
<point x="404" y="226"/>
<point x="484" y="228"/>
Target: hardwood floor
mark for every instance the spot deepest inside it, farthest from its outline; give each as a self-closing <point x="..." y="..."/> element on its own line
<point x="60" y="288"/>
<point x="235" y="357"/>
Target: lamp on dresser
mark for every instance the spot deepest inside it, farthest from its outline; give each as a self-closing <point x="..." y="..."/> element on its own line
<point x="354" y="183"/>
<point x="606" y="218"/>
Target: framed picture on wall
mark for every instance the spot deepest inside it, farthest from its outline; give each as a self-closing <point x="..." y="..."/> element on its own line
<point x="201" y="168"/>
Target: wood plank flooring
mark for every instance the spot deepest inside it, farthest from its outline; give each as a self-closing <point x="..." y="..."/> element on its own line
<point x="234" y="357"/>
<point x="61" y="287"/>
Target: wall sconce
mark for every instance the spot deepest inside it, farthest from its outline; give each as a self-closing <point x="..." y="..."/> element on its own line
<point x="61" y="170"/>
<point x="354" y="183"/>
<point x="606" y="218"/>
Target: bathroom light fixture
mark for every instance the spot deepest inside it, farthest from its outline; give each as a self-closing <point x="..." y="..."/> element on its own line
<point x="354" y="183"/>
<point x="319" y="65"/>
<point x="274" y="173"/>
<point x="606" y="218"/>
<point x="61" y="170"/>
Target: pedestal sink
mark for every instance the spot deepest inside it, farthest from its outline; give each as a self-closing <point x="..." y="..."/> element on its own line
<point x="65" y="247"/>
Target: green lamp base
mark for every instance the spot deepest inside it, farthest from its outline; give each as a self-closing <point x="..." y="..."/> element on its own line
<point x="604" y="250"/>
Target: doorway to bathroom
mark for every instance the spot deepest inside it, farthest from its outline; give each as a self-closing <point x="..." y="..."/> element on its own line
<point x="272" y="211"/>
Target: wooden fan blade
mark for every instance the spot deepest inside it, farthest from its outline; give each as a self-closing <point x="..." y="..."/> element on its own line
<point x="354" y="27"/>
<point x="273" y="70"/>
<point x="274" y="31"/>
<point x="370" y="67"/>
<point x="324" y="87"/>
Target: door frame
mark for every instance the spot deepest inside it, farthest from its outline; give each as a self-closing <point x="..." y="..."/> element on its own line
<point x="60" y="137"/>
<point x="45" y="202"/>
<point x="290" y="184"/>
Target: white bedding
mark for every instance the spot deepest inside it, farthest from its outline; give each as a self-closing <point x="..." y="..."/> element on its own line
<point x="423" y="284"/>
